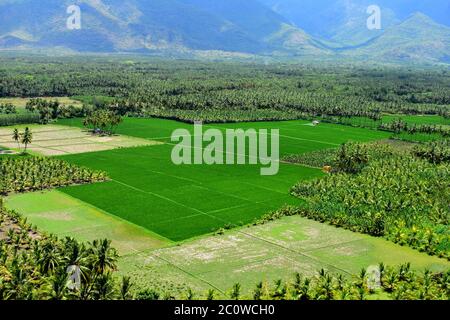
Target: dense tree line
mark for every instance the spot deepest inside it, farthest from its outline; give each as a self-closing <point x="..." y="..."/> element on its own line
<point x="7" y="108"/>
<point x="53" y="109"/>
<point x="22" y="174"/>
<point x="399" y="126"/>
<point x="154" y="87"/>
<point x="435" y="152"/>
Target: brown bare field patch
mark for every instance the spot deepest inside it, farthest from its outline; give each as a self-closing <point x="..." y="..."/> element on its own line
<point x="21" y="102"/>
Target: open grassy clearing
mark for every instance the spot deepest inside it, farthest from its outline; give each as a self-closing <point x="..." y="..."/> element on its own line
<point x="52" y="140"/>
<point x="180" y="202"/>
<point x="269" y="252"/>
<point x="418" y="137"/>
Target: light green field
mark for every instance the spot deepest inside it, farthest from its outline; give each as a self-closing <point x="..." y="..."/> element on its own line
<point x="62" y="215"/>
<point x="410" y="119"/>
<point x="419" y="119"/>
<point x="295" y="136"/>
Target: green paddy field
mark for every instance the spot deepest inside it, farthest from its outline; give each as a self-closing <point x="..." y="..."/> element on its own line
<point x="181" y="202"/>
<point x="178" y="202"/>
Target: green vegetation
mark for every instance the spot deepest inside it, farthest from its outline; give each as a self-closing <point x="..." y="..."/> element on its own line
<point x="230" y="91"/>
<point x="24" y="138"/>
<point x="349" y="158"/>
<point x="52" y="110"/>
<point x="407" y="200"/>
<point x="418" y="119"/>
<point x="435" y="152"/>
<point x="7" y="108"/>
<point x="396" y="283"/>
<point x="15" y="119"/>
<point x="283" y="247"/>
<point x="317" y="159"/>
<point x="102" y="122"/>
<point x="43" y="267"/>
<point x="64" y="216"/>
<point x="16" y="111"/>
<point x="224" y="115"/>
<point x="150" y="191"/>
<point x="20" y="174"/>
<point x="169" y="220"/>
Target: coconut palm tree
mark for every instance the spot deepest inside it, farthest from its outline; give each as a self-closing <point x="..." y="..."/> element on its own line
<point x="27" y="138"/>
<point x="104" y="287"/>
<point x="103" y="257"/>
<point x="236" y="291"/>
<point x="190" y="295"/>
<point x="258" y="293"/>
<point x="125" y="289"/>
<point x="211" y="295"/>
<point x="16" y="137"/>
<point x="59" y="285"/>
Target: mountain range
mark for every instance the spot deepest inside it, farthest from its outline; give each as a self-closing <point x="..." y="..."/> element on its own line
<point x="411" y="30"/>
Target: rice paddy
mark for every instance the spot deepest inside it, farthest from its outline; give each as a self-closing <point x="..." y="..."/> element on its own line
<point x="53" y="140"/>
<point x="181" y="202"/>
<point x="409" y="119"/>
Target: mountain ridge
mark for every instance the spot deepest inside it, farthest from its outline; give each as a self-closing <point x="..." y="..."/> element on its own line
<point x="256" y="27"/>
<point x="411" y="40"/>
